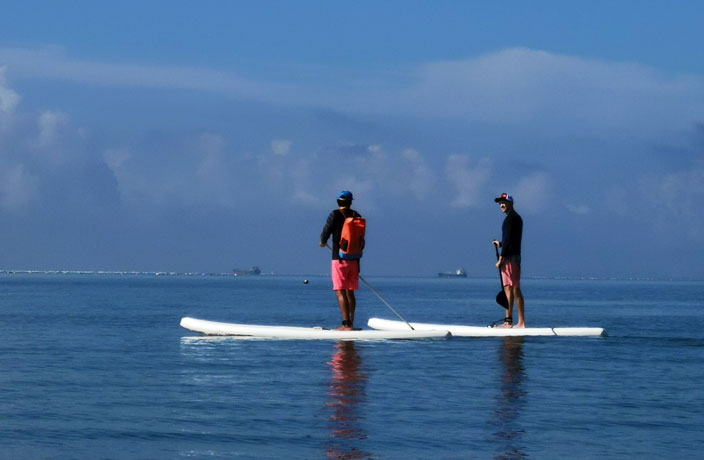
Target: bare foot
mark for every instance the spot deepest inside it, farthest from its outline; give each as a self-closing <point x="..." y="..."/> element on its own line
<point x="345" y="328"/>
<point x="520" y="326"/>
<point x="505" y="326"/>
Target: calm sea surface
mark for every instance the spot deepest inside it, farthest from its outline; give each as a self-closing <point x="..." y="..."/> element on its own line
<point x="97" y="367"/>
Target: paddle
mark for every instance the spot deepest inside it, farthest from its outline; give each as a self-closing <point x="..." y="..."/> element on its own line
<point x="501" y="298"/>
<point x="380" y="297"/>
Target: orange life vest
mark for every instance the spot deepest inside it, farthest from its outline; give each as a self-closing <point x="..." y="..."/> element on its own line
<point x="352" y="238"/>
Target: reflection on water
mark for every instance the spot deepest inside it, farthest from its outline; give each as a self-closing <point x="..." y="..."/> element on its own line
<point x="509" y="401"/>
<point x="347" y="391"/>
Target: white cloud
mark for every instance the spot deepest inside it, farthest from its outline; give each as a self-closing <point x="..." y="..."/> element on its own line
<point x="211" y="142"/>
<point x="281" y="147"/>
<point x="526" y="88"/>
<point x="115" y="158"/>
<point x="18" y="188"/>
<point x="514" y="88"/>
<point x="579" y="209"/>
<point x="299" y="175"/>
<point x="53" y="63"/>
<point x="467" y="179"/>
<point x="212" y="168"/>
<point x="213" y="180"/>
<point x="193" y="170"/>
<point x="532" y="193"/>
<point x="418" y="177"/>
<point x="8" y="98"/>
<point x="544" y="92"/>
<point x="128" y="183"/>
<point x="673" y="201"/>
<point x="50" y="123"/>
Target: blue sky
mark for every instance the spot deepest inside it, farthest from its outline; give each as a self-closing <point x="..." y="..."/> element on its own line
<point x="202" y="136"/>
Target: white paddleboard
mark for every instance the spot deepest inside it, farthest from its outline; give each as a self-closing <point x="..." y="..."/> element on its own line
<point x="289" y="332"/>
<point x="485" y="331"/>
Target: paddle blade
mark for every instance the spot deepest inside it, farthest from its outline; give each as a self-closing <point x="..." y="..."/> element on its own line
<point x="502" y="300"/>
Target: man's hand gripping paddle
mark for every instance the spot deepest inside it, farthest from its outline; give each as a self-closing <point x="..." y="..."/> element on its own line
<point x="501" y="298"/>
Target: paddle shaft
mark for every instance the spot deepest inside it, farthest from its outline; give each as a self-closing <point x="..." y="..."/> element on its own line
<point x="501" y="298"/>
<point x="501" y="279"/>
<point x="380" y="297"/>
<point x="385" y="302"/>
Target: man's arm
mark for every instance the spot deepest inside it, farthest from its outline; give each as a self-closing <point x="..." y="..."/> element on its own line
<point x="327" y="230"/>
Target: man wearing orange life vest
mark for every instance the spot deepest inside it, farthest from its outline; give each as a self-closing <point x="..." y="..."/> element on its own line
<point x="345" y="273"/>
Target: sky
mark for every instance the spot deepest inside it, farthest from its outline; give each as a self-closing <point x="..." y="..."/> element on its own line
<point x="205" y="136"/>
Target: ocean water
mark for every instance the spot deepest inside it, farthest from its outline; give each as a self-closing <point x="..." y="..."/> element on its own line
<point x="96" y="367"/>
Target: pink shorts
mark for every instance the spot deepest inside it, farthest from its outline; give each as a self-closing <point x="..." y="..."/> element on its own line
<point x="511" y="273"/>
<point x="345" y="275"/>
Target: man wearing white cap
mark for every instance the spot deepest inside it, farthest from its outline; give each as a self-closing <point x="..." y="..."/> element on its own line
<point x="509" y="262"/>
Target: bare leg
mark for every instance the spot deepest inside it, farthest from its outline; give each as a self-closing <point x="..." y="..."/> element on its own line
<point x="343" y="301"/>
<point x="520" y="303"/>
<point x="509" y="311"/>
<point x="351" y="305"/>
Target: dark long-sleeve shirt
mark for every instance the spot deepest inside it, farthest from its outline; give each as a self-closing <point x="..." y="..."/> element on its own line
<point x="333" y="226"/>
<point x="512" y="233"/>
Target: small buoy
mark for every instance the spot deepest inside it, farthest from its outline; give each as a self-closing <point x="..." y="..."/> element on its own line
<point x="305" y="281"/>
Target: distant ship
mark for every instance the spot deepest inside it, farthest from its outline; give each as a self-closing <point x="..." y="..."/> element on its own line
<point x="459" y="273"/>
<point x="251" y="271"/>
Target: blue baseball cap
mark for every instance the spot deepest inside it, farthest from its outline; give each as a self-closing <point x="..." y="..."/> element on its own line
<point x="345" y="195"/>
<point x="504" y="197"/>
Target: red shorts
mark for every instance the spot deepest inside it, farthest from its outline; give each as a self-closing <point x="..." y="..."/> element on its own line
<point x="511" y="273"/>
<point x="345" y="275"/>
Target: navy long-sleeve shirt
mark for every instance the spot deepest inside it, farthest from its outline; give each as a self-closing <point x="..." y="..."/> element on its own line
<point x="512" y="233"/>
